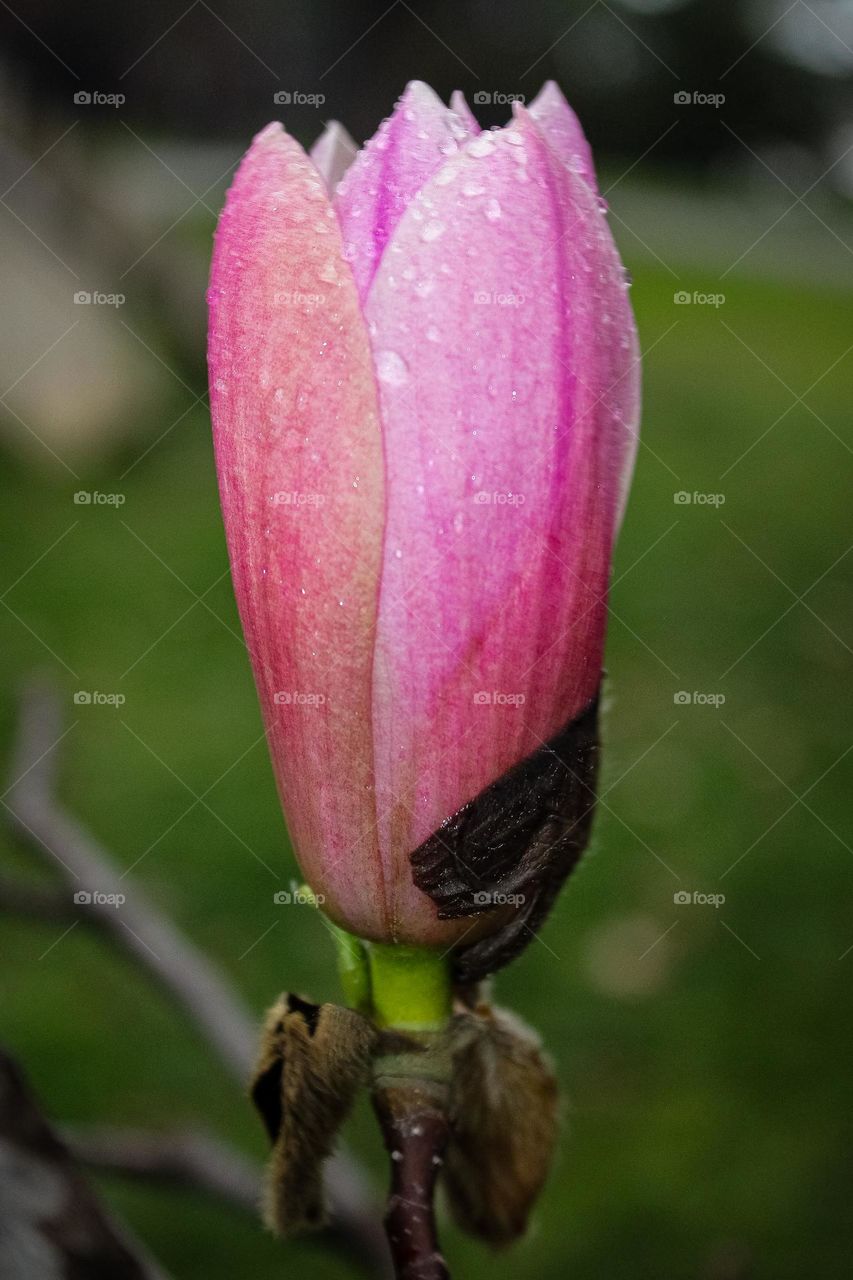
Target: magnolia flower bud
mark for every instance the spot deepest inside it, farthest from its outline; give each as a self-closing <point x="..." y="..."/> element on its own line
<point x="425" y="390"/>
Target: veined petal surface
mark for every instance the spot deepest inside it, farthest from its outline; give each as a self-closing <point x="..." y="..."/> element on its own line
<point x="506" y="356"/>
<point x="299" y="457"/>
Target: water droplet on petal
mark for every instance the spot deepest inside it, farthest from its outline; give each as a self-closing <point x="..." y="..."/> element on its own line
<point x="493" y="210"/>
<point x="480" y="147"/>
<point x="391" y="368"/>
<point x="432" y="230"/>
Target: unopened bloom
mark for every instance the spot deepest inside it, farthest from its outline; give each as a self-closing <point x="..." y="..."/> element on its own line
<point x="425" y="392"/>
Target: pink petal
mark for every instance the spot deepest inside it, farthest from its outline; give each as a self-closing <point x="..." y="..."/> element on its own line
<point x="459" y="104"/>
<point x="333" y="153"/>
<point x="392" y="167"/>
<point x="506" y="355"/>
<point x="563" y="131"/>
<point x="298" y="450"/>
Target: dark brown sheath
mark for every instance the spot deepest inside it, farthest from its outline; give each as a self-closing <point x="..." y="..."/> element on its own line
<point x="521" y="836"/>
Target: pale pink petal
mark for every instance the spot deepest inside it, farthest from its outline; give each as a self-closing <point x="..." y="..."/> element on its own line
<point x="298" y="450"/>
<point x="333" y="153"/>
<point x="391" y="168"/>
<point x="506" y="355"/>
<point x="459" y="104"/>
<point x="563" y="131"/>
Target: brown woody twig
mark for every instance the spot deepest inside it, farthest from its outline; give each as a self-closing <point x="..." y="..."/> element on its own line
<point x="139" y="929"/>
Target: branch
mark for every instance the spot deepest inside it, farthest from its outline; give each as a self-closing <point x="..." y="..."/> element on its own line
<point x="138" y="928"/>
<point x="52" y="1222"/>
<point x="193" y="1160"/>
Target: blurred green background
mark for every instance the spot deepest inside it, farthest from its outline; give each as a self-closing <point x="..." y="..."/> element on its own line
<point x="704" y="1050"/>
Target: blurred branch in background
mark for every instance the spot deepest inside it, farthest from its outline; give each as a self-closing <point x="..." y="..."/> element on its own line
<point x="52" y="1223"/>
<point x="192" y="1160"/>
<point x="184" y="973"/>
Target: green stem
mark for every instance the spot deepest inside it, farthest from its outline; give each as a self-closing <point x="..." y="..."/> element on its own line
<point x="352" y="969"/>
<point x="410" y="987"/>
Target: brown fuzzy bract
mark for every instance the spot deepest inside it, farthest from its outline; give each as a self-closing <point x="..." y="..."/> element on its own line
<point x="312" y="1061"/>
<point x="504" y="1109"/>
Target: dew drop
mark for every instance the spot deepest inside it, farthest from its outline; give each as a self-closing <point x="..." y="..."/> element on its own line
<point x="432" y="230"/>
<point x="391" y="368"/>
<point x="480" y="148"/>
<point x="493" y="210"/>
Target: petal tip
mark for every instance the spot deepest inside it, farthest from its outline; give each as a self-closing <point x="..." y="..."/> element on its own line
<point x="459" y="106"/>
<point x="270" y="133"/>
